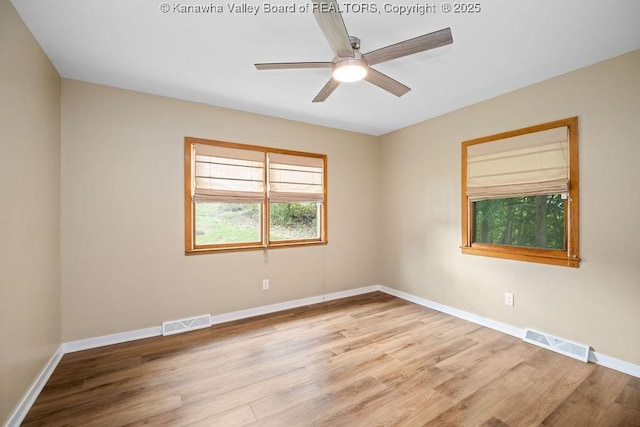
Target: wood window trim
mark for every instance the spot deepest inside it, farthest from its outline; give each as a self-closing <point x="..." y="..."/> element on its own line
<point x="189" y="206"/>
<point x="568" y="257"/>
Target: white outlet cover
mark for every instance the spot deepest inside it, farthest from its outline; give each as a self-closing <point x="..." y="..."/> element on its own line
<point x="508" y="298"/>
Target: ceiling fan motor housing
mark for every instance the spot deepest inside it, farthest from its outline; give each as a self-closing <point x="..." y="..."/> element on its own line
<point x="350" y="69"/>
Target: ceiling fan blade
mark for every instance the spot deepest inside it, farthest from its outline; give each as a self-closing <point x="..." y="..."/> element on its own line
<point x="387" y="83"/>
<point x="409" y="47"/>
<point x="330" y="21"/>
<point x="289" y="65"/>
<point x="327" y="90"/>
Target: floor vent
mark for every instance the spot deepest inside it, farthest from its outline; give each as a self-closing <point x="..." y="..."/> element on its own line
<point x="559" y="345"/>
<point x="185" y="325"/>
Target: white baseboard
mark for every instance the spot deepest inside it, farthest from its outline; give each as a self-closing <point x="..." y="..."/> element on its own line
<point x="89" y="343"/>
<point x="489" y="323"/>
<point x="25" y="404"/>
<point x="615" y="364"/>
<point x="273" y="308"/>
<point x="595" y="357"/>
<point x="21" y="410"/>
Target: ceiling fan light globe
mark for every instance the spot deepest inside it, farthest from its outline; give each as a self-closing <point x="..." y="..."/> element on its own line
<point x="349" y="71"/>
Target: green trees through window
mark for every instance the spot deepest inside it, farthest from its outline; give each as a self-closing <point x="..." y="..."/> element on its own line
<point x="534" y="221"/>
<point x="291" y="221"/>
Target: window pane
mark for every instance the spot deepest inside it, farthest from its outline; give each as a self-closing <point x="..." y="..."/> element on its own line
<point x="294" y="221"/>
<point x="534" y="221"/>
<point x="227" y="223"/>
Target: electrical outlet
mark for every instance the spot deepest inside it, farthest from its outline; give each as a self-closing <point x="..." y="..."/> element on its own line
<point x="265" y="284"/>
<point x="508" y="298"/>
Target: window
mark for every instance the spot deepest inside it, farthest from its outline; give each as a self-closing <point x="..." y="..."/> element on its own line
<point x="247" y="197"/>
<point x="520" y="194"/>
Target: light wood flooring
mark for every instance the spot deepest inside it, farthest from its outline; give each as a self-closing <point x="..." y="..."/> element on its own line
<point x="363" y="361"/>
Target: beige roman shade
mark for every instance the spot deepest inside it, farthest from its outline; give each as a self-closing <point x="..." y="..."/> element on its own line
<point x="225" y="174"/>
<point x="295" y="178"/>
<point x="525" y="165"/>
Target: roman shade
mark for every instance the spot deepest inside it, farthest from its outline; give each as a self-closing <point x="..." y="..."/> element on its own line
<point x="295" y="178"/>
<point x="224" y="174"/>
<point x="525" y="165"/>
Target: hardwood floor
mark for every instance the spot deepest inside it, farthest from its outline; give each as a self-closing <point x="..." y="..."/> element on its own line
<point x="362" y="361"/>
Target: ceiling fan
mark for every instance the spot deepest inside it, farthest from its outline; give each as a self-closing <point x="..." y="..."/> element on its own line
<point x="349" y="64"/>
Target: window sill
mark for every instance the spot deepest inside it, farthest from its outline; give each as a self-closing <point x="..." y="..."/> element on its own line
<point x="542" y="256"/>
<point x="234" y="248"/>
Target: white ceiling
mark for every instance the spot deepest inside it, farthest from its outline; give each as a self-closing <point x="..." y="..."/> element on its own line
<point x="209" y="57"/>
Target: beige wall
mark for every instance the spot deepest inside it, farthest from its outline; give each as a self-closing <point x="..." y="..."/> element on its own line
<point x="123" y="262"/>
<point x="596" y="304"/>
<point x="29" y="209"/>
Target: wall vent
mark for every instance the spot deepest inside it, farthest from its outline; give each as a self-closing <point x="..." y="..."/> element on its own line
<point x="559" y="345"/>
<point x="184" y="325"/>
